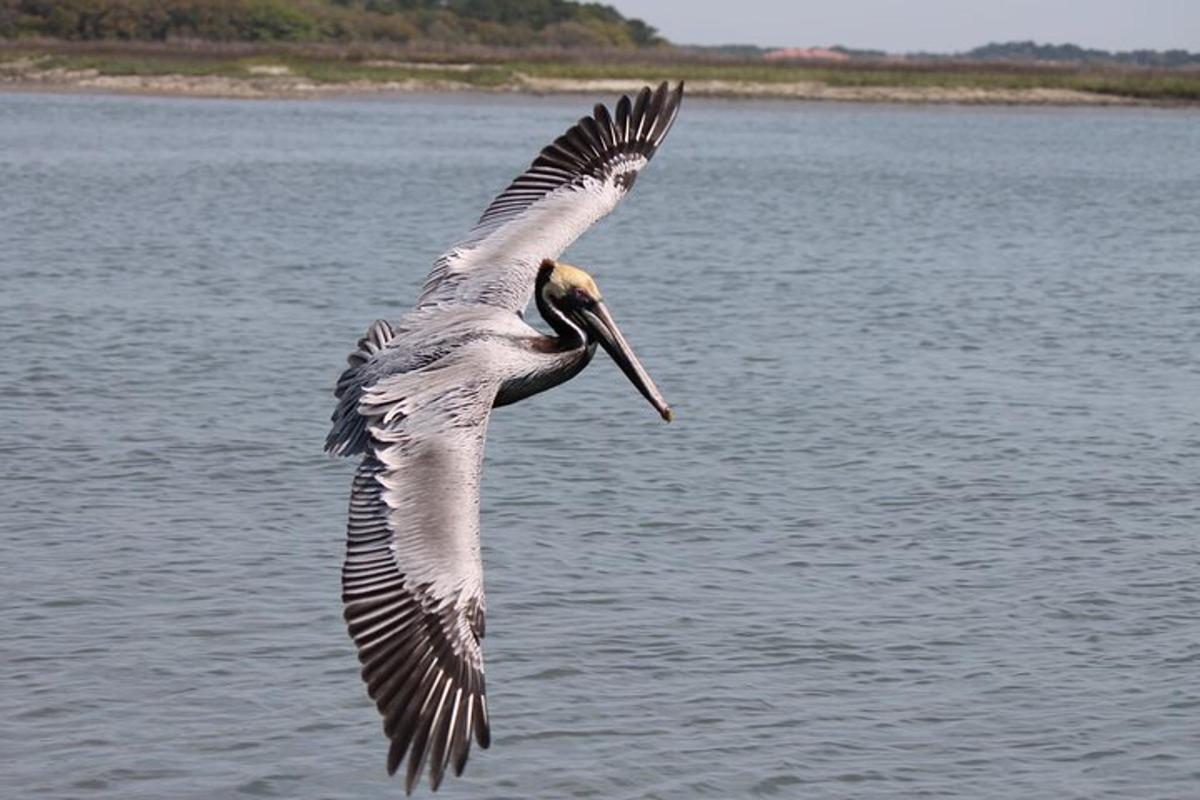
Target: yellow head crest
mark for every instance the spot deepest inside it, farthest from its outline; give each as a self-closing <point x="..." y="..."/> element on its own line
<point x="564" y="277"/>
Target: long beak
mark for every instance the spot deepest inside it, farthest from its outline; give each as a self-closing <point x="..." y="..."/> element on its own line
<point x="605" y="328"/>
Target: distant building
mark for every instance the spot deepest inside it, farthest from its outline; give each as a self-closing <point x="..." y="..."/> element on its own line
<point x="805" y="54"/>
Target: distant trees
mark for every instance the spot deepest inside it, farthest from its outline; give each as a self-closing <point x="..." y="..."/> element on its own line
<point x="494" y="22"/>
<point x="248" y="20"/>
<point x="1071" y="53"/>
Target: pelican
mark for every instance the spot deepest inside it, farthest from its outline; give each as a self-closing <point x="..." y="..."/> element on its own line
<point x="415" y="401"/>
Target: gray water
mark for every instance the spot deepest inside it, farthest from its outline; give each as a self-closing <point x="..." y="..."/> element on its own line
<point x="926" y="524"/>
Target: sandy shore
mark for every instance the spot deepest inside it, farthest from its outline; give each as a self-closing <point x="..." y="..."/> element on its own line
<point x="814" y="90"/>
<point x="277" y="82"/>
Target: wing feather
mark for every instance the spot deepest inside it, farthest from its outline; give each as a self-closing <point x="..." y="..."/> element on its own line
<point x="577" y="179"/>
<point x="412" y="581"/>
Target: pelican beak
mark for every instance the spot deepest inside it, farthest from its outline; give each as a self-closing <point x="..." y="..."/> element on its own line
<point x="602" y="325"/>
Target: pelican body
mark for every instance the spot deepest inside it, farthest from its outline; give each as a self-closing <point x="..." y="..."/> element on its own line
<point x="415" y="401"/>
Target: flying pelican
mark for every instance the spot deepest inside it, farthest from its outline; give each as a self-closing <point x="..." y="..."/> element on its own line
<point x="415" y="401"/>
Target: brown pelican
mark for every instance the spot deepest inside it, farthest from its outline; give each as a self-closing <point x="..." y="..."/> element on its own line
<point x="415" y="401"/>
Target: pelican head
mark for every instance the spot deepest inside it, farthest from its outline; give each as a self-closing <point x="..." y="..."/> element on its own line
<point x="567" y="294"/>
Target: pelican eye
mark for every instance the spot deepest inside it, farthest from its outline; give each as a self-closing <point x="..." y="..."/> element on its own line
<point x="580" y="298"/>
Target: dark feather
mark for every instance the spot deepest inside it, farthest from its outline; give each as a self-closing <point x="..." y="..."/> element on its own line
<point x="591" y="148"/>
<point x="639" y="113"/>
<point x="604" y="124"/>
<point x="414" y="666"/>
<point x="416" y="753"/>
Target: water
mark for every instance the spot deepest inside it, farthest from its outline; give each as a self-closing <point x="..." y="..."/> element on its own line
<point x="926" y="525"/>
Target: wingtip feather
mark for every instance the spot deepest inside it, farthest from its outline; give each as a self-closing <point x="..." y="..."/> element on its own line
<point x="605" y="146"/>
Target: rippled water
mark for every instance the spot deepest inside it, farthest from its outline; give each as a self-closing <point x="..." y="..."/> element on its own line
<point x="926" y="524"/>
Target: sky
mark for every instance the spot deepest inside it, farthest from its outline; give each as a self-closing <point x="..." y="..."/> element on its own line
<point x="931" y="25"/>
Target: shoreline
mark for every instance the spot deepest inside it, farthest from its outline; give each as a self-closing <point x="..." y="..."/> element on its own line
<point x="280" y="77"/>
<point x="289" y="88"/>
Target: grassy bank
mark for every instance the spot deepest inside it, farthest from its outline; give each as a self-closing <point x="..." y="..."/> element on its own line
<point x="284" y="70"/>
<point x="1151" y="85"/>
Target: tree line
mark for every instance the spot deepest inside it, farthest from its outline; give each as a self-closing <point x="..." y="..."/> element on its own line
<point x="1074" y="54"/>
<point x="559" y="23"/>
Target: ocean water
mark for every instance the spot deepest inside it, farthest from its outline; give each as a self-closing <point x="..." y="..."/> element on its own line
<point x="927" y="523"/>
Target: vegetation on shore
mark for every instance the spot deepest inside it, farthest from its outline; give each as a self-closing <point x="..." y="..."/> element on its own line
<point x="505" y="23"/>
<point x="1163" y="85"/>
<point x="1029" y="51"/>
<point x="1017" y="52"/>
<point x="505" y="68"/>
<point x="512" y="44"/>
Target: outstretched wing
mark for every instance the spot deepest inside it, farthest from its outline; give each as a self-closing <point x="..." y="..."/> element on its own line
<point x="571" y="184"/>
<point x="412" y="581"/>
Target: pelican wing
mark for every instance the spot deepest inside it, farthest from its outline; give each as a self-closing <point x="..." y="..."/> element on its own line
<point x="412" y="581"/>
<point x="575" y="181"/>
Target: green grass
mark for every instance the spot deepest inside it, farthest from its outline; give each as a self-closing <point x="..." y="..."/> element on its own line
<point x="343" y="71"/>
<point x="1183" y="87"/>
<point x="145" y="65"/>
<point x="1142" y="84"/>
<point x="331" y="70"/>
<point x="333" y="66"/>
